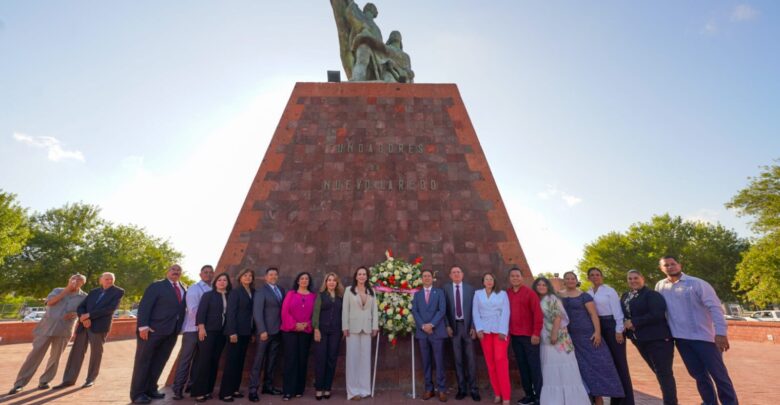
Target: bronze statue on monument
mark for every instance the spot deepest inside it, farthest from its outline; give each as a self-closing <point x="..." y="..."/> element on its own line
<point x="364" y="55"/>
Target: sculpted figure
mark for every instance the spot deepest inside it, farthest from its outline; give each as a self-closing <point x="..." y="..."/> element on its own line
<point x="364" y="55"/>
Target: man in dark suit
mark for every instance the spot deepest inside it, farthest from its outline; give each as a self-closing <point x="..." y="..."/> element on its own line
<point x="429" y="309"/>
<point x="460" y="328"/>
<point x="160" y="316"/>
<point x="96" y="313"/>
<point x="267" y="309"/>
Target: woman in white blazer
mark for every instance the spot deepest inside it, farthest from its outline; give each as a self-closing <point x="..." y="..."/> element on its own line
<point x="360" y="322"/>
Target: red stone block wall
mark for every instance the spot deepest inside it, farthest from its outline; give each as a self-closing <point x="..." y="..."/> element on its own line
<point x="22" y="332"/>
<point x="754" y="331"/>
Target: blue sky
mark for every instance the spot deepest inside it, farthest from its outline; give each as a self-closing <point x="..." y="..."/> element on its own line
<point x="593" y="116"/>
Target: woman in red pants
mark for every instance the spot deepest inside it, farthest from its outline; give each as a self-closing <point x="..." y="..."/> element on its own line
<point x="491" y="320"/>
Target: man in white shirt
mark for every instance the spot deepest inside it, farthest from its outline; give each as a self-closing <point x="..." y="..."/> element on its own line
<point x="189" y="339"/>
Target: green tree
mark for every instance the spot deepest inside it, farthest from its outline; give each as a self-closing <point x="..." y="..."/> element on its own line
<point x="14" y="226"/>
<point x="761" y="200"/>
<point x="707" y="251"/>
<point x="74" y="239"/>
<point x="134" y="256"/>
<point x="758" y="275"/>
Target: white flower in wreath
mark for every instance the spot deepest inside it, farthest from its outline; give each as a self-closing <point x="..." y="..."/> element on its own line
<point x="398" y="317"/>
<point x="390" y="311"/>
<point x="389" y="323"/>
<point x="410" y="318"/>
<point x="382" y="305"/>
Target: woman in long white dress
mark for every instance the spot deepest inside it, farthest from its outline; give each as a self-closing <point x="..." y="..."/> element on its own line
<point x="562" y="381"/>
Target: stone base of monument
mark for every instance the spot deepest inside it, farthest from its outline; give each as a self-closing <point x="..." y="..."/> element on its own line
<point x="354" y="169"/>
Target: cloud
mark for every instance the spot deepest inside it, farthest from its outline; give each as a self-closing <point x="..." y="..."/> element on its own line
<point x="55" y="151"/>
<point x="743" y="12"/>
<point x="704" y="215"/>
<point x="711" y="28"/>
<point x="553" y="192"/>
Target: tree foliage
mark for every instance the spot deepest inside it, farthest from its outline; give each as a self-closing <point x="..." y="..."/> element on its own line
<point x="707" y="251"/>
<point x="75" y="239"/>
<point x="14" y="226"/>
<point x="758" y="275"/>
<point x="761" y="200"/>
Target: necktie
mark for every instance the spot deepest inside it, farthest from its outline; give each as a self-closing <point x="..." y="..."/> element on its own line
<point x="458" y="307"/>
<point x="277" y="293"/>
<point x="178" y="292"/>
<point x="427" y="295"/>
<point x="100" y="297"/>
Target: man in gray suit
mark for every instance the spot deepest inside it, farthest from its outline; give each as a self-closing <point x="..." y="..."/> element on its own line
<point x="460" y="328"/>
<point x="267" y="310"/>
<point x="53" y="330"/>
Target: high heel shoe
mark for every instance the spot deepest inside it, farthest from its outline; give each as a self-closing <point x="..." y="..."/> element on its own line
<point x="326" y="395"/>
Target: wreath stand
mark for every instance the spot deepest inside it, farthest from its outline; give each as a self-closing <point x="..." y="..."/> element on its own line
<point x="413" y="394"/>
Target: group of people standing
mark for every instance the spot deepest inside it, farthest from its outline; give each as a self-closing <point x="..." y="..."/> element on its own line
<point x="570" y="345"/>
<point x="216" y="316"/>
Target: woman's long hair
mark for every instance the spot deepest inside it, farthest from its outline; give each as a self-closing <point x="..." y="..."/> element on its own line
<point x="369" y="290"/>
<point x="241" y="274"/>
<point x="545" y="281"/>
<point x="296" y="284"/>
<point x="214" y="283"/>
<point x="339" y="286"/>
<point x="496" y="286"/>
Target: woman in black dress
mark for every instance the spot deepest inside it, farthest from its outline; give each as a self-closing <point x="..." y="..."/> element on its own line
<point x="238" y="329"/>
<point x="211" y="339"/>
<point x="326" y="321"/>
<point x="644" y="311"/>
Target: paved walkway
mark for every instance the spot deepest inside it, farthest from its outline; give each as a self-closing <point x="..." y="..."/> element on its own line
<point x="753" y="366"/>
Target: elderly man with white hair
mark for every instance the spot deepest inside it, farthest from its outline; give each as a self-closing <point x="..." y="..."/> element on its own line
<point x="96" y="313"/>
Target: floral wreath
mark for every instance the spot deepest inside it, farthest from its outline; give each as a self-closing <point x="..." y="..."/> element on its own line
<point x="395" y="282"/>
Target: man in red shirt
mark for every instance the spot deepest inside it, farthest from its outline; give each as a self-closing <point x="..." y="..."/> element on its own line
<point x="525" y="327"/>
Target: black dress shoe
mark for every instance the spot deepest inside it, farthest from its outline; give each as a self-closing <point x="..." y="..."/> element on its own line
<point x="271" y="391"/>
<point x="208" y="396"/>
<point x="286" y="397"/>
<point x="44" y="386"/>
<point x="201" y="398"/>
<point x="227" y="399"/>
<point x="142" y="399"/>
<point x="460" y="395"/>
<point x="326" y="395"/>
<point x="475" y="396"/>
<point x="178" y="396"/>
<point x="156" y="395"/>
<point x="253" y="397"/>
<point x="15" y="390"/>
<point x="238" y="394"/>
<point x="88" y="384"/>
<point x="62" y="385"/>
